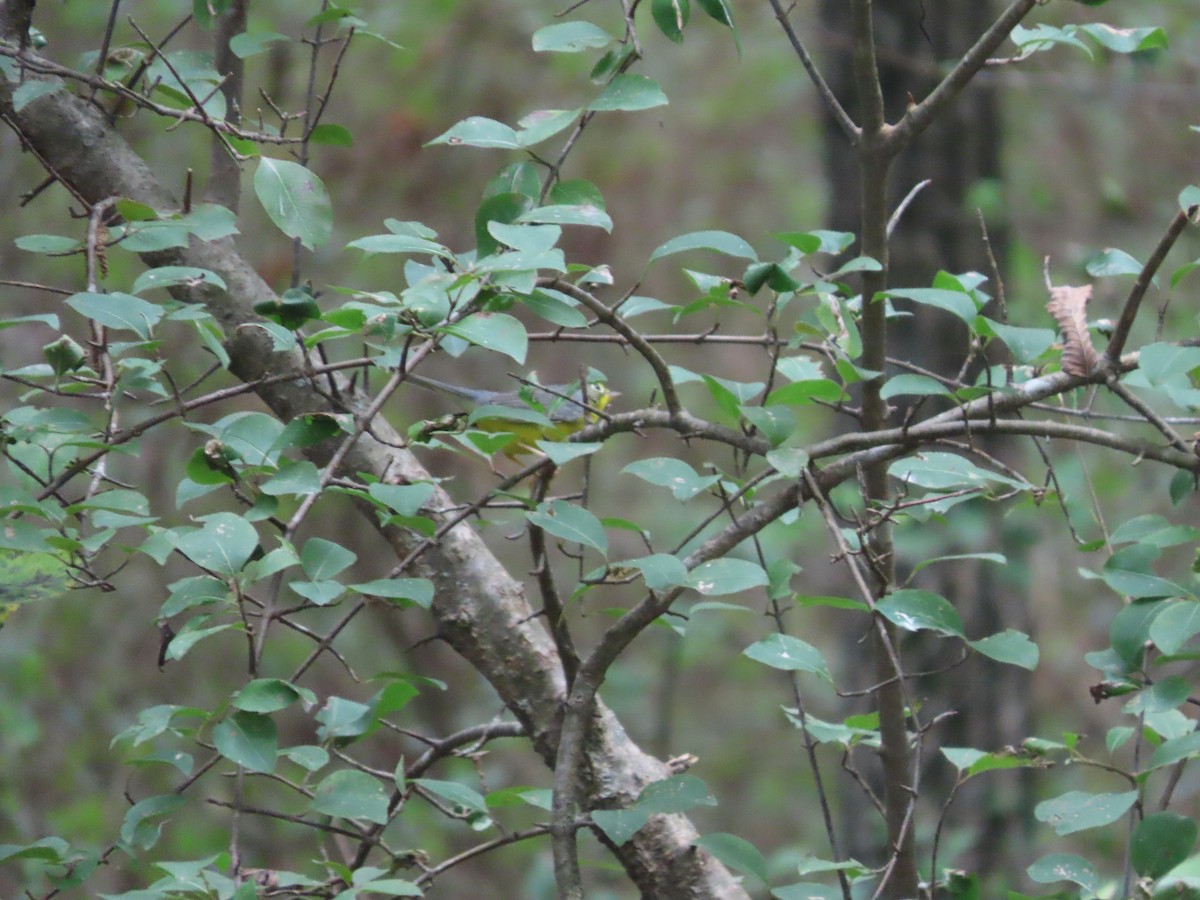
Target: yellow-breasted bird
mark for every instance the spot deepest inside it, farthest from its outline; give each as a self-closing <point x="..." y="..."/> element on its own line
<point x="552" y="413"/>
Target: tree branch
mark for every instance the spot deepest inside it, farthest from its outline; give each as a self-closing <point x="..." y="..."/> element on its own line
<point x="918" y="117"/>
<point x="479" y="607"/>
<point x="824" y="91"/>
<point x="1129" y="311"/>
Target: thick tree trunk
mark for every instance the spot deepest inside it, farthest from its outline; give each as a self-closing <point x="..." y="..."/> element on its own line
<point x="958" y="153"/>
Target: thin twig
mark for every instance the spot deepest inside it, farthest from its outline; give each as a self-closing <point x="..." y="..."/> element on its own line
<point x="824" y="91"/>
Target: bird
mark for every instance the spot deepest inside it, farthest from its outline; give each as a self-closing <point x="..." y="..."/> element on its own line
<point x="550" y="412"/>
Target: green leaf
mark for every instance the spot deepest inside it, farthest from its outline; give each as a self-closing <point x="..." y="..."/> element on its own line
<point x="676" y="794"/>
<point x="27" y="577"/>
<point x="253" y="437"/>
<point x="559" y="214"/>
<point x="294" y="478"/>
<point x="667" y="471"/>
<point x="402" y="499"/>
<point x="322" y="559"/>
<point x="322" y="593"/>
<point x="556" y="307"/>
<point x="1113" y="262"/>
<point x="782" y="651"/>
<point x="168" y="276"/>
<point x="1130" y="629"/>
<point x="1166" y="694"/>
<point x="267" y="695"/>
<point x="908" y="384"/>
<point x="959" y="303"/>
<point x="295" y="200"/>
<point x="52" y="244"/>
<point x="733" y="851"/>
<point x="493" y="331"/>
<point x="458" y="794"/>
<point x="191" y="635"/>
<point x="726" y="576"/>
<point x="1009" y="646"/>
<point x="479" y="131"/>
<point x="972" y="762"/>
<point x="136" y="830"/>
<point x="806" y="890"/>
<point x="571" y="523"/>
<point x="515" y="178"/>
<point x="560" y="453"/>
<point x="223" y="545"/>
<point x="1126" y="40"/>
<point x="629" y="92"/>
<point x="117" y="310"/>
<point x="1026" y="344"/>
<point x="1175" y="626"/>
<point x="188" y="593"/>
<point x="332" y="135"/>
<point x="208" y="221"/>
<point x="51" y="849"/>
<point x="33" y="89"/>
<point x="528" y="238"/>
<point x="619" y="825"/>
<point x="248" y="739"/>
<point x="1172" y="751"/>
<point x="543" y="124"/>
<point x="418" y="591"/>
<point x="49" y="319"/>
<point x="788" y="461"/>
<point x="1128" y="572"/>
<point x="1161" y="362"/>
<point x="920" y="610"/>
<point x="350" y="794"/>
<point x="671" y="16"/>
<point x="1065" y="867"/>
<point x="959" y="557"/>
<point x="498" y="208"/>
<point x="249" y="44"/>
<point x="1160" y="842"/>
<point x="343" y="719"/>
<point x="718" y="9"/>
<point x="1078" y="810"/>
<point x="292" y="309"/>
<point x="775" y="423"/>
<point x="771" y="275"/>
<point x="660" y="571"/>
<point x="720" y="241"/>
<point x="399" y="243"/>
<point x="945" y="472"/>
<point x="570" y="37"/>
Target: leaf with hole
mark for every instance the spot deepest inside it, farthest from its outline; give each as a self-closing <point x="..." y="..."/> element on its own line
<point x="1065" y="867"/>
<point x="1079" y="810"/>
<point x="726" y="576"/>
<point x="782" y="651"/>
<point x="919" y="610"/>
<point x="570" y="37"/>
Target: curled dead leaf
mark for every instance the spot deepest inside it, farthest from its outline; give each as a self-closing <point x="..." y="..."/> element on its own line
<point x="1068" y="305"/>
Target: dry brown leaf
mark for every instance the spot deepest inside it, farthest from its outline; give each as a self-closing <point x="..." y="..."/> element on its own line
<point x="1068" y="305"/>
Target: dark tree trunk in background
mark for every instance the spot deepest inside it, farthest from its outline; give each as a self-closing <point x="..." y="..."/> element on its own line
<point x="960" y="154"/>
